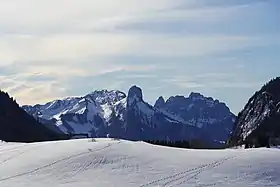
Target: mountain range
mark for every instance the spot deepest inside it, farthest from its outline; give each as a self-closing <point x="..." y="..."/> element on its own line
<point x="119" y="115"/>
<point x="116" y="114"/>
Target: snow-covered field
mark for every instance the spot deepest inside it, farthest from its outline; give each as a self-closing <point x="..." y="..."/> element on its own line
<point x="107" y="163"/>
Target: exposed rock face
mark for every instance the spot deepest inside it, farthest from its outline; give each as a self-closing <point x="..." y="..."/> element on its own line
<point x="145" y="122"/>
<point x="260" y="117"/>
<point x="160" y="102"/>
<point x="206" y="113"/>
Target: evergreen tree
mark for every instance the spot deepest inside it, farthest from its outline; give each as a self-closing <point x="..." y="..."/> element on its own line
<point x="18" y="126"/>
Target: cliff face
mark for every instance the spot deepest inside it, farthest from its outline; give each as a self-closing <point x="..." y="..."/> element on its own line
<point x="260" y="117"/>
<point x="209" y="115"/>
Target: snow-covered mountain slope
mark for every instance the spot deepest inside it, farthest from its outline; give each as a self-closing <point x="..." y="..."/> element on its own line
<point x="129" y="117"/>
<point x="260" y="116"/>
<point x="79" y="114"/>
<point x="203" y="112"/>
<point x="108" y="163"/>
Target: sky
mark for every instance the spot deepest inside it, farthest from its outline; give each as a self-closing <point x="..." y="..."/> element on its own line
<point x="59" y="48"/>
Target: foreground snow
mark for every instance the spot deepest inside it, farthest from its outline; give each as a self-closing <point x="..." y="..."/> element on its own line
<point x="107" y="163"/>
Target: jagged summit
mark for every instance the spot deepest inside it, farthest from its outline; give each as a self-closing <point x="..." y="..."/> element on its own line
<point x="103" y="96"/>
<point x="128" y="116"/>
<point x="135" y="91"/>
<point x="134" y="95"/>
<point x="79" y="114"/>
<point x="195" y="95"/>
<point x="175" y="98"/>
<point x="204" y="112"/>
<point x="160" y="102"/>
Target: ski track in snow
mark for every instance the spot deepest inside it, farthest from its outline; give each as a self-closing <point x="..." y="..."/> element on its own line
<point x="107" y="163"/>
<point x="4" y="151"/>
<point x="17" y="154"/>
<point x="185" y="176"/>
<point x="53" y="163"/>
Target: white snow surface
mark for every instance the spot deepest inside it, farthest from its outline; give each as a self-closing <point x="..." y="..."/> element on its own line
<point x="119" y="163"/>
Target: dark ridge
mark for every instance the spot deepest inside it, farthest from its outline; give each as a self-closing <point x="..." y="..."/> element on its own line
<point x="266" y="124"/>
<point x="18" y="126"/>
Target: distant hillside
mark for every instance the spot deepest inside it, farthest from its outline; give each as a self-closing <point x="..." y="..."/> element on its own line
<point x="260" y="118"/>
<point x="17" y="126"/>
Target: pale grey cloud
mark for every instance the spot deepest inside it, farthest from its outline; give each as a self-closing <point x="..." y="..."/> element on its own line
<point x="51" y="49"/>
<point x="213" y="81"/>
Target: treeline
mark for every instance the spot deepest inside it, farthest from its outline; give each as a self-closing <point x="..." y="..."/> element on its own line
<point x="18" y="126"/>
<point x="187" y="144"/>
<point x="259" y="141"/>
<point x="178" y="144"/>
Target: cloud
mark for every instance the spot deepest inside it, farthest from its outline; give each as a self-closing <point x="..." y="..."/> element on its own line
<point x="32" y="94"/>
<point x="90" y="28"/>
<point x="218" y="3"/>
<point x="212" y="81"/>
<point x="65" y="48"/>
<point x="43" y="82"/>
<point x="87" y="29"/>
<point x="51" y="49"/>
<point x="34" y="16"/>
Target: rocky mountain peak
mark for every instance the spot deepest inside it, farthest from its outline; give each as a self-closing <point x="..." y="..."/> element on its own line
<point x="134" y="95"/>
<point x="177" y="98"/>
<point x="102" y="112"/>
<point x="196" y="96"/>
<point x="107" y="96"/>
<point x="160" y="102"/>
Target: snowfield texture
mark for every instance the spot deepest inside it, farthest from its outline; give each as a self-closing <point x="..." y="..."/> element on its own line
<point x="114" y="163"/>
